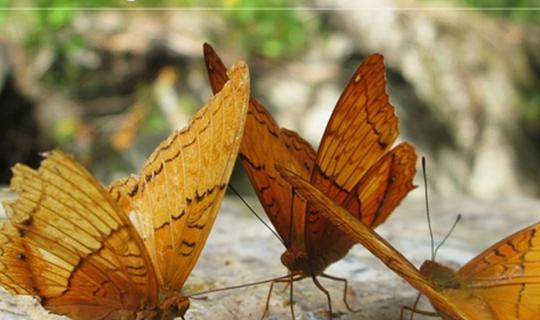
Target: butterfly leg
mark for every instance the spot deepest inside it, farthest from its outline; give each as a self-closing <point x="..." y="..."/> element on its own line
<point x="345" y="289"/>
<point x="288" y="283"/>
<point x="328" y="299"/>
<point x="291" y="297"/>
<point x="267" y="305"/>
<point x="413" y="311"/>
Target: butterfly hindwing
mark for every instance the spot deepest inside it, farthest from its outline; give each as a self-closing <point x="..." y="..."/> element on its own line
<point x="384" y="185"/>
<point x="15" y="274"/>
<point x="375" y="196"/>
<point x="81" y="255"/>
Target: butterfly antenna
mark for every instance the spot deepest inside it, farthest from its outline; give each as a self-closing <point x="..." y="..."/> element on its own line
<point x="251" y="284"/>
<point x="447" y="235"/>
<point x="256" y="215"/>
<point x="424" y="171"/>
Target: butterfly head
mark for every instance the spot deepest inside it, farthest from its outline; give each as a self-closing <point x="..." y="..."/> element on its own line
<point x="300" y="262"/>
<point x="172" y="307"/>
<point x="175" y="305"/>
<point x="442" y="277"/>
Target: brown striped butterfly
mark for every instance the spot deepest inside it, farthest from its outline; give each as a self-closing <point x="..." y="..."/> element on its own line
<point x="503" y="282"/>
<point x="355" y="165"/>
<point x="123" y="253"/>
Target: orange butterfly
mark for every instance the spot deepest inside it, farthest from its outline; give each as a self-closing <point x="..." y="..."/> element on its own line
<point x="71" y="243"/>
<point x="355" y="166"/>
<point x="503" y="282"/>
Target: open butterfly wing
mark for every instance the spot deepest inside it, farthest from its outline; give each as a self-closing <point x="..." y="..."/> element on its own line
<point x="72" y="246"/>
<point x="263" y="146"/>
<point x="175" y="201"/>
<point x="363" y="234"/>
<point x="506" y="276"/>
<point x="349" y="168"/>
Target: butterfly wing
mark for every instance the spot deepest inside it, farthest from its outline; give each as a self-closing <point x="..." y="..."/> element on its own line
<point x="175" y="201"/>
<point x="15" y="275"/>
<point x="355" y="166"/>
<point x="263" y="146"/>
<point x="383" y="187"/>
<point x="68" y="243"/>
<point x="506" y="276"/>
<point x="373" y="198"/>
<point x="366" y="236"/>
<point x="122" y="192"/>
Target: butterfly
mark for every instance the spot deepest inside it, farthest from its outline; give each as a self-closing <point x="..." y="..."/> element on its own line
<point x="123" y="252"/>
<point x="355" y="166"/>
<point x="503" y="282"/>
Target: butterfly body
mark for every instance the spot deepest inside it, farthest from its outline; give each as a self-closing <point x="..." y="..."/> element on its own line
<point x="300" y="263"/>
<point x="441" y="276"/>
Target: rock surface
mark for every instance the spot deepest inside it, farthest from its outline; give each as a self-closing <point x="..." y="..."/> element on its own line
<point x="240" y="250"/>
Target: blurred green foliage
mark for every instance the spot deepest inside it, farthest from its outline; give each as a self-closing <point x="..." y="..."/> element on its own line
<point x="531" y="110"/>
<point x="520" y="14"/>
<point x="272" y="34"/>
<point x="267" y="33"/>
<point x="65" y="129"/>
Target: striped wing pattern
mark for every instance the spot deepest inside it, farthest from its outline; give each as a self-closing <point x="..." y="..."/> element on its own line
<point x="366" y="236"/>
<point x="264" y="145"/>
<point x="375" y="196"/>
<point x="355" y="150"/>
<point x="14" y="275"/>
<point x="174" y="201"/>
<point x="355" y="165"/>
<point x="68" y="243"/>
<point x="506" y="276"/>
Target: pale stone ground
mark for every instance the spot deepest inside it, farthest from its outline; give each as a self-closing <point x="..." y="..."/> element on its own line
<point x="241" y="250"/>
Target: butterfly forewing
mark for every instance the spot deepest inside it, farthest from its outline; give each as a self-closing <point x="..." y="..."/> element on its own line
<point x="264" y="145"/>
<point x="362" y="127"/>
<point x="507" y="275"/>
<point x="349" y="168"/>
<point x="175" y="200"/>
<point x="82" y="255"/>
